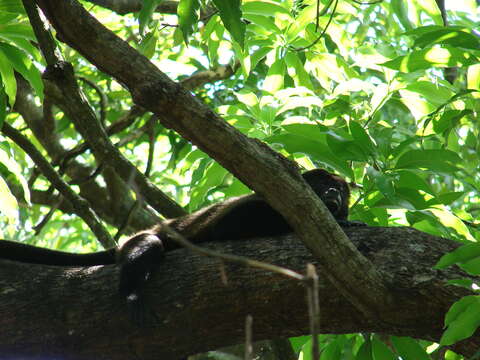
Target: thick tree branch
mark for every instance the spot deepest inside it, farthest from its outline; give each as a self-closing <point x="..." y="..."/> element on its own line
<point x="268" y="173"/>
<point x="75" y="313"/>
<point x="128" y="6"/>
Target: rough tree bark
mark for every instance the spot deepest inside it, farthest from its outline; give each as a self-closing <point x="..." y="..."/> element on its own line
<point x="75" y="313"/>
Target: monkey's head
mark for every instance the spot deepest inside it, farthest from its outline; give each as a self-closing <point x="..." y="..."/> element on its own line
<point x="332" y="189"/>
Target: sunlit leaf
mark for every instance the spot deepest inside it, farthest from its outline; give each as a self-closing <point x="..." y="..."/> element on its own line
<point x="267" y="8"/>
<point x="275" y="77"/>
<point x="8" y="202"/>
<point x="400" y="8"/>
<point x="433" y="57"/>
<point x="473" y="79"/>
<point x="8" y="77"/>
<point x="448" y="36"/>
<point x="231" y="15"/>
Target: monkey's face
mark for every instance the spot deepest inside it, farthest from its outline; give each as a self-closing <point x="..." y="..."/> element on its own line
<point x="333" y="199"/>
<point x="332" y="189"/>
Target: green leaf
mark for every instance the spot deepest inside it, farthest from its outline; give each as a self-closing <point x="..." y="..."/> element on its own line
<point x="8" y="78"/>
<point x="433" y="93"/>
<point x="148" y="44"/>
<point x="473" y="78"/>
<point x="362" y="138"/>
<point x="231" y="16"/>
<point x="381" y="351"/>
<point x="472" y="266"/>
<point x="315" y="149"/>
<point x="410" y="179"/>
<point x="211" y="179"/>
<point x="448" y="219"/>
<point x="14" y="168"/>
<point x="384" y="183"/>
<point x="461" y="320"/>
<point x="449" y="120"/>
<point x="187" y="12"/>
<point x="409" y="349"/>
<point x="333" y="67"/>
<point x="448" y="36"/>
<point x="8" y="202"/>
<point x="3" y="106"/>
<point x="365" y="351"/>
<point x="413" y="196"/>
<point x="298" y="342"/>
<point x="331" y="352"/>
<point x="345" y="148"/>
<point x="275" y="77"/>
<point x="264" y="22"/>
<point x="433" y="57"/>
<point x="17" y="31"/>
<point x="435" y="160"/>
<point x="463" y="254"/>
<point x="145" y="14"/>
<point x="12" y="6"/>
<point x="400" y="8"/>
<point x="266" y="8"/>
<point x="259" y="55"/>
<point x="24" y="66"/>
<point x="446" y="198"/>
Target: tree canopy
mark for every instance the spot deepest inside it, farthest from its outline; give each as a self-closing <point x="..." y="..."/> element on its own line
<point x="101" y="136"/>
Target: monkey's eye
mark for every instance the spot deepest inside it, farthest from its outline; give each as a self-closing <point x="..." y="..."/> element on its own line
<point x="333" y="200"/>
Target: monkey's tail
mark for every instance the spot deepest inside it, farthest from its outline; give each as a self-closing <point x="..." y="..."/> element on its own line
<point x="15" y="251"/>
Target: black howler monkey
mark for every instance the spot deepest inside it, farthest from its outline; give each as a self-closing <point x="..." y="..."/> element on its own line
<point x="235" y="218"/>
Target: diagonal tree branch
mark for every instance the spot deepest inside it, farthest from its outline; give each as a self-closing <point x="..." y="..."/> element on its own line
<point x="250" y="160"/>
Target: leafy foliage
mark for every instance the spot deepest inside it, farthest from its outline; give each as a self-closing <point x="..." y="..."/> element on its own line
<point x="370" y="96"/>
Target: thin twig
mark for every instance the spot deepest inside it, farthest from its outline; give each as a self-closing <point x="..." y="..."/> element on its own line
<point x="313" y="308"/>
<point x="124" y="122"/>
<point x="49" y="215"/>
<point x="101" y="95"/>
<point x="181" y="240"/>
<point x="126" y="221"/>
<point x="248" y="337"/>
<point x="80" y="205"/>
<point x="324" y="29"/>
<point x="150" y="128"/>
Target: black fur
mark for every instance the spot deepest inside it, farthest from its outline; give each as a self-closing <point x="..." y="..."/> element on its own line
<point x="236" y="218"/>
